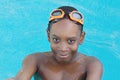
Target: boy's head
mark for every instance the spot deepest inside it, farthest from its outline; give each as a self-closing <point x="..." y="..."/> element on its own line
<point x="65" y="33"/>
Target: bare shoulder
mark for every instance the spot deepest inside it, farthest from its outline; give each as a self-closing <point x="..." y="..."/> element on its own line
<point x="92" y="61"/>
<point x="94" y="68"/>
<point x="34" y="57"/>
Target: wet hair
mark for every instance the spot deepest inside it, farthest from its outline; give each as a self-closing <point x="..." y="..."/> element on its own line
<point x="67" y="10"/>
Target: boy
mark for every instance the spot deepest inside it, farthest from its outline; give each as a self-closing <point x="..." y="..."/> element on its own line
<point x="63" y="62"/>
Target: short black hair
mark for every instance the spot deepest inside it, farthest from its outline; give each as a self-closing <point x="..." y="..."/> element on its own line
<point x="67" y="10"/>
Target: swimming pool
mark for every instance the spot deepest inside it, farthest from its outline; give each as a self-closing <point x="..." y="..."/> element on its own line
<point x="23" y="31"/>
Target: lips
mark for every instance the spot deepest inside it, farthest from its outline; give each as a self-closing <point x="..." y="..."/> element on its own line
<point x="63" y="55"/>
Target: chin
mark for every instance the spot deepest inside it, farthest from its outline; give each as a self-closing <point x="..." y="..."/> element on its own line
<point x="63" y="61"/>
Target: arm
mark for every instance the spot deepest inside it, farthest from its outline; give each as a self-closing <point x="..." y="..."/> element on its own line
<point x="94" y="70"/>
<point x="28" y="69"/>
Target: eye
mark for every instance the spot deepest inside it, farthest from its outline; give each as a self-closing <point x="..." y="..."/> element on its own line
<point x="56" y="40"/>
<point x="71" y="41"/>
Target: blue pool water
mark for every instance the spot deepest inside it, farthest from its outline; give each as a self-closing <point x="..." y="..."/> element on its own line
<point x="23" y="26"/>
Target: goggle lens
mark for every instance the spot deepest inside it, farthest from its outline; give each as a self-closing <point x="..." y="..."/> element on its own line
<point x="77" y="15"/>
<point x="57" y="13"/>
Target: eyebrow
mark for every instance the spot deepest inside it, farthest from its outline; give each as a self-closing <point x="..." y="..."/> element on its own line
<point x="70" y="37"/>
<point x="54" y="35"/>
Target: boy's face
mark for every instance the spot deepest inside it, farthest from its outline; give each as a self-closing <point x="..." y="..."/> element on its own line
<point x="65" y="36"/>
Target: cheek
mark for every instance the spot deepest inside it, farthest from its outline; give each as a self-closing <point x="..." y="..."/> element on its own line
<point x="74" y="47"/>
<point x="53" y="46"/>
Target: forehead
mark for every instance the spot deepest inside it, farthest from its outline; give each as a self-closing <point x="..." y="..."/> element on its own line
<point x="65" y="27"/>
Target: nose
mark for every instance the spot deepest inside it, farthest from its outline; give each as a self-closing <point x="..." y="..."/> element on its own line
<point x="63" y="47"/>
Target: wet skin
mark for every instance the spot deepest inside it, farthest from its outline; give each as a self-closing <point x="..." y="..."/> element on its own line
<point x="63" y="62"/>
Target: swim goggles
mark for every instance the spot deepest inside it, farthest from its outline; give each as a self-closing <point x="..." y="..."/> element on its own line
<point x="74" y="15"/>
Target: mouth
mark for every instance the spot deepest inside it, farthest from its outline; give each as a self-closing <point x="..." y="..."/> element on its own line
<point x="63" y="55"/>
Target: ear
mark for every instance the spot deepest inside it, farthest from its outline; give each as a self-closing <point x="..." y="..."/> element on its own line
<point x="82" y="37"/>
<point x="48" y="34"/>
